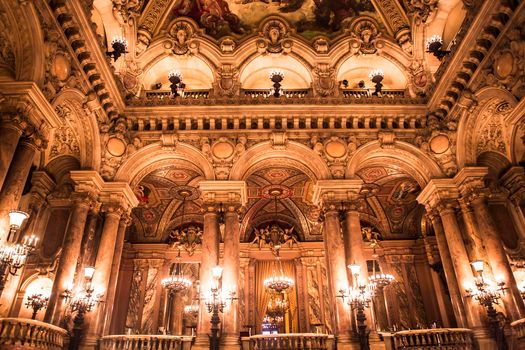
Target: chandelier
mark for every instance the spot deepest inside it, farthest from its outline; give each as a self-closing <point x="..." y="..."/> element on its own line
<point x="37" y="301"/>
<point x="278" y="282"/>
<point x="177" y="281"/>
<point x="277" y="306"/>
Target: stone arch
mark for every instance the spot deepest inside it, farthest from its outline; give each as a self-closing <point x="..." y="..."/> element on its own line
<point x="27" y="39"/>
<point x="407" y="157"/>
<point x="153" y="156"/>
<point x="69" y="106"/>
<point x="33" y="284"/>
<point x="294" y="155"/>
<point x="493" y="105"/>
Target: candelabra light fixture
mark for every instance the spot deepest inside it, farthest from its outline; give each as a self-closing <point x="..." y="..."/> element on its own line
<point x="488" y="295"/>
<point x="376" y="76"/>
<point x="119" y="45"/>
<point x="191" y="310"/>
<point x="276" y="76"/>
<point x="177" y="282"/>
<point x="13" y="256"/>
<point x="81" y="302"/>
<point x="434" y="46"/>
<point x="177" y="86"/>
<point x="215" y="304"/>
<point x="36" y="302"/>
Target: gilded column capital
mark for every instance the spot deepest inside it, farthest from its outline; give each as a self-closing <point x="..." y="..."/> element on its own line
<point x="117" y="198"/>
<point x="438" y="194"/>
<point x="15" y="121"/>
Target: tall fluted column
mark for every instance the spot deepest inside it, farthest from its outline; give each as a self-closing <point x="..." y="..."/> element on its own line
<point x="462" y="267"/>
<point x="11" y="128"/>
<point x="209" y="259"/>
<point x="448" y="268"/>
<point x="88" y="185"/>
<point x="176" y="313"/>
<point x="230" y="280"/>
<point x="115" y="268"/>
<point x="14" y="182"/>
<point x="67" y="263"/>
<point x="497" y="257"/>
<point x="335" y="260"/>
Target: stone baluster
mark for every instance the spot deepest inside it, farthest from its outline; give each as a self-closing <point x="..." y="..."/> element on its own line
<point x="209" y="259"/>
<point x="448" y="268"/>
<point x="87" y="187"/>
<point x="15" y="179"/>
<point x="230" y="280"/>
<point x="11" y="128"/>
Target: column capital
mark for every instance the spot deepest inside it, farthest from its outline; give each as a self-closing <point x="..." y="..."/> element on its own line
<point x="333" y="191"/>
<point x="117" y="197"/>
<point x="15" y="121"/>
<point x="226" y="192"/>
<point x="41" y="184"/>
<point x="438" y="194"/>
<point x="514" y="181"/>
<point x="471" y="180"/>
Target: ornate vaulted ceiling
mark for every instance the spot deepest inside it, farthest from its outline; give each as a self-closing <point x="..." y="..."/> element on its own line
<point x="393" y="209"/>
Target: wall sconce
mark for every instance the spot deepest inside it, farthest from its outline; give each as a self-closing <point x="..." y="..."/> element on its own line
<point x="119" y="45"/>
<point x="376" y="76"/>
<point x="276" y="76"/>
<point x="177" y="86"/>
<point x="434" y="46"/>
<point x="16" y="219"/>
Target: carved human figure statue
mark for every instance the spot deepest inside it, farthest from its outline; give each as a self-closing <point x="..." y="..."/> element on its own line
<point x="181" y="36"/>
<point x="274" y="34"/>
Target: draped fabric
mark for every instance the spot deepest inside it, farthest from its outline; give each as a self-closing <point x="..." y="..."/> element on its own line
<point x="263" y="270"/>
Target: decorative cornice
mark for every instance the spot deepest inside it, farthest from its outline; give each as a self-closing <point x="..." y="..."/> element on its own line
<point x="470" y="55"/>
<point x="78" y="30"/>
<point x="27" y="95"/>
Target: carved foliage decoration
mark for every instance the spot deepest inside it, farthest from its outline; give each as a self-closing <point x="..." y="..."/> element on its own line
<point x="7" y="55"/>
<point x="222" y="153"/>
<point x="125" y="11"/>
<point x="274" y="38"/>
<point x="325" y="80"/>
<point x="64" y="143"/>
<point x="420" y="9"/>
<point x="491" y="136"/>
<point x="227" y="81"/>
<point x="335" y="151"/>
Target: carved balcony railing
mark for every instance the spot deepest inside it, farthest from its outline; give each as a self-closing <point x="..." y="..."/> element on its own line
<point x="145" y="342"/>
<point x="368" y="93"/>
<point x="304" y="341"/>
<point x="188" y="94"/>
<point x="436" y="338"/>
<point x="21" y="333"/>
<point x="266" y="93"/>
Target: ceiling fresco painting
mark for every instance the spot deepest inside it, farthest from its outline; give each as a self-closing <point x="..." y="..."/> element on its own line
<point x="310" y="18"/>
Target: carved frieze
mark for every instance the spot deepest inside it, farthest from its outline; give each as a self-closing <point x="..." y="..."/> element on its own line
<point x="64" y="143"/>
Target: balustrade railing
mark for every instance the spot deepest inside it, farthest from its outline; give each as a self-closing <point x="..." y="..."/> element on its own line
<point x="145" y="342"/>
<point x="367" y="93"/>
<point x="21" y="333"/>
<point x="304" y="341"/>
<point x="436" y="338"/>
<point x="266" y="93"/>
<point x="188" y="94"/>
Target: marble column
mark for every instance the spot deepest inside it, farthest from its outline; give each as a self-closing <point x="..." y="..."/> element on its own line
<point x="14" y="183"/>
<point x="67" y="263"/>
<point x="460" y="261"/>
<point x="472" y="238"/>
<point x="335" y="260"/>
<point x="176" y="313"/>
<point x="11" y="128"/>
<point x="353" y="240"/>
<point x="448" y="268"/>
<point x="103" y="265"/>
<point x="209" y="259"/>
<point x="114" y="275"/>
<point x="230" y="279"/>
<point x="497" y="258"/>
